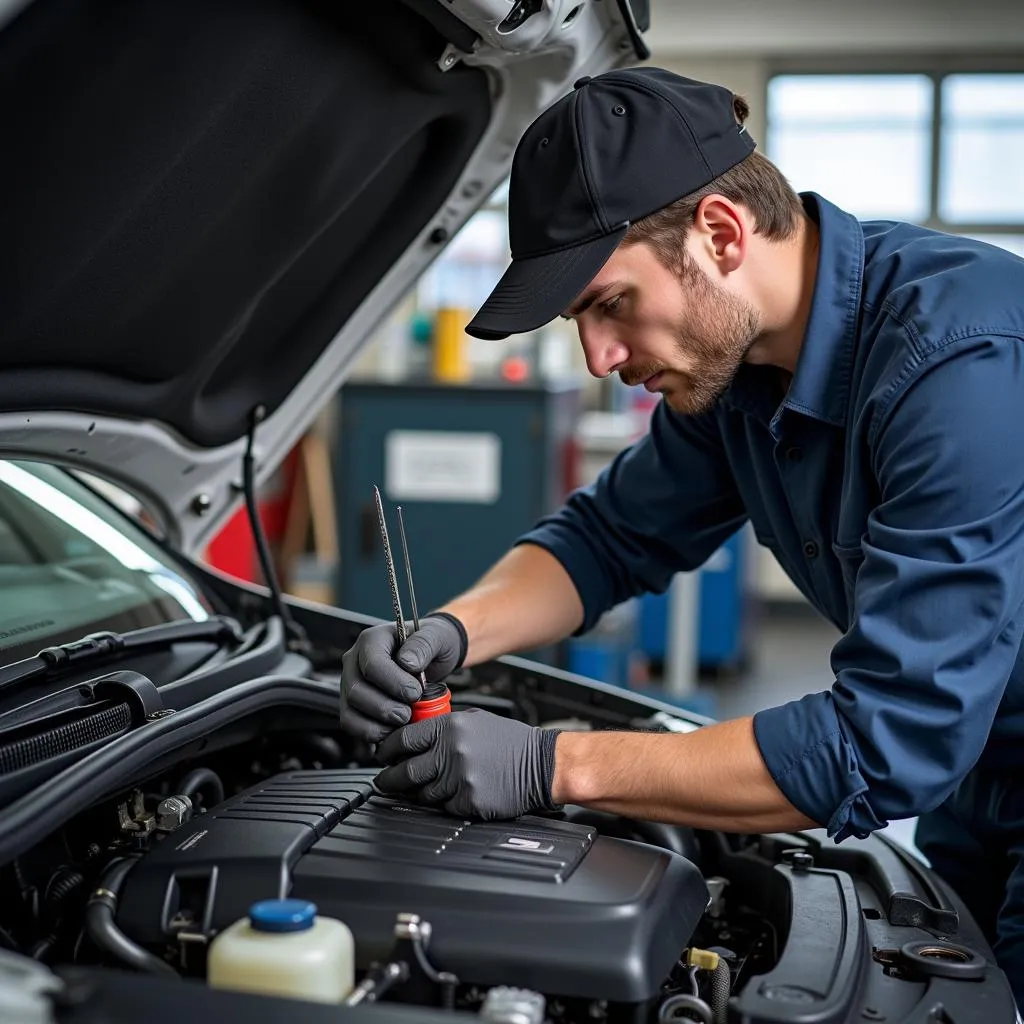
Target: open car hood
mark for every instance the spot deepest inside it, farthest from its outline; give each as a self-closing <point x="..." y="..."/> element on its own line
<point x="208" y="207"/>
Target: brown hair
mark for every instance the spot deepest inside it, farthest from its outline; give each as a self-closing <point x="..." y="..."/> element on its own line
<point x="755" y="182"/>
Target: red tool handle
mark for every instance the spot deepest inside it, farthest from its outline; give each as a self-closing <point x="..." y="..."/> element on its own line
<point x="436" y="700"/>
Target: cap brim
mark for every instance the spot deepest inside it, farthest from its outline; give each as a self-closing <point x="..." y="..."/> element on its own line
<point x="533" y="291"/>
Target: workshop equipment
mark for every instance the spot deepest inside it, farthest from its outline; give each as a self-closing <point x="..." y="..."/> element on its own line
<point x="724" y="615"/>
<point x="472" y="465"/>
<point x="450" y="361"/>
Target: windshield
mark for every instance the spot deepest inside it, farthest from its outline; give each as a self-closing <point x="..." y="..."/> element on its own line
<point x="70" y="564"/>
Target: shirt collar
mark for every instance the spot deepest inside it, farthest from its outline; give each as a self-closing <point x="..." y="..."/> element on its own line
<point x="821" y="385"/>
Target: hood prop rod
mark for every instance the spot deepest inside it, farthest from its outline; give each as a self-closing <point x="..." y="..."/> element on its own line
<point x="293" y="630"/>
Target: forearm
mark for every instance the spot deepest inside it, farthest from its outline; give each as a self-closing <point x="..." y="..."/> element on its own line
<point x="713" y="778"/>
<point x="525" y="601"/>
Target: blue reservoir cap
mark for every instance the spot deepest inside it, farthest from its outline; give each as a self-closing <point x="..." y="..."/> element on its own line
<point x="282" y="915"/>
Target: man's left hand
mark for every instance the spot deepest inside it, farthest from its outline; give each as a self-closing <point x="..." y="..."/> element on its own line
<point x="472" y="764"/>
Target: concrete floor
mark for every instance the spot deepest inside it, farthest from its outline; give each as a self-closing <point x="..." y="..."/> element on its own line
<point x="791" y="658"/>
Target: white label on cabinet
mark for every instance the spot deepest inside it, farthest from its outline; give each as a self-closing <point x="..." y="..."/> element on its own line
<point x="439" y="465"/>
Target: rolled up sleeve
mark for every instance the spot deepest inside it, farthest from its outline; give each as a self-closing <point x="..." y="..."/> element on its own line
<point x="662" y="506"/>
<point x="938" y="599"/>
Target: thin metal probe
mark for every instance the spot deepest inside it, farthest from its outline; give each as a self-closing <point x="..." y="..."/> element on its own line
<point x="412" y="589"/>
<point x="396" y="600"/>
<point x="408" y="571"/>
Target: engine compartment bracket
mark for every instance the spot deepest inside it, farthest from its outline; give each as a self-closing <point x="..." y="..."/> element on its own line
<point x="908" y="910"/>
<point x="139" y="691"/>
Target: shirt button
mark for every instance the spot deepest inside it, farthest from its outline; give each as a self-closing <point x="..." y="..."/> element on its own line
<point x="810" y="549"/>
<point x="794" y="454"/>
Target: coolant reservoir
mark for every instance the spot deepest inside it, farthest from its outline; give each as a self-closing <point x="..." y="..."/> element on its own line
<point x="284" y="949"/>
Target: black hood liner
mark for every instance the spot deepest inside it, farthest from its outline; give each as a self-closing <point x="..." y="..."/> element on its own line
<point x="194" y="196"/>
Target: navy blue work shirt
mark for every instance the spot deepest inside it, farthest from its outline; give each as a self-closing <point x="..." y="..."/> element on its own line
<point x="888" y="480"/>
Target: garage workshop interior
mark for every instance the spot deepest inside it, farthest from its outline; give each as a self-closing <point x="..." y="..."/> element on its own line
<point x="245" y="418"/>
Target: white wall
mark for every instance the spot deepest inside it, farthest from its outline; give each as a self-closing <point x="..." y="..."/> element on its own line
<point x="747" y="76"/>
<point x="816" y="27"/>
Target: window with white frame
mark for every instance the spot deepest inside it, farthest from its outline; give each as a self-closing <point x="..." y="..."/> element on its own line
<point x="469" y="268"/>
<point x="938" y="148"/>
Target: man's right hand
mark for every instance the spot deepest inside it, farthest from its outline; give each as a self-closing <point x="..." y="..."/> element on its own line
<point x="379" y="683"/>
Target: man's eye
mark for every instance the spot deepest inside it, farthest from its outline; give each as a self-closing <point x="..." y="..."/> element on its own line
<point x="613" y="304"/>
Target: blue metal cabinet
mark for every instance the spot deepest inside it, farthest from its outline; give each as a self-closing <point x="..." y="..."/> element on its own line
<point x="723" y="608"/>
<point x="723" y="612"/>
<point x="473" y="466"/>
<point x="641" y="626"/>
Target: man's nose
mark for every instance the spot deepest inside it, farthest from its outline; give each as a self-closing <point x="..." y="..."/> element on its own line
<point x="602" y="349"/>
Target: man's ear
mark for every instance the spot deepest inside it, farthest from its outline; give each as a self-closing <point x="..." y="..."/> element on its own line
<point x="722" y="232"/>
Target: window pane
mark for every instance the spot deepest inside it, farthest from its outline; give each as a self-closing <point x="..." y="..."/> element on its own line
<point x="466" y="272"/>
<point x="861" y="141"/>
<point x="1012" y="243"/>
<point x="982" y="149"/>
<point x="70" y="564"/>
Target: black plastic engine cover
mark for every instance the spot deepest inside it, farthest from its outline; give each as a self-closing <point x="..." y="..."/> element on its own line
<point x="535" y="902"/>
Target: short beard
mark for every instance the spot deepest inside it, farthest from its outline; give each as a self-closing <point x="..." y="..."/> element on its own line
<point x="714" y="335"/>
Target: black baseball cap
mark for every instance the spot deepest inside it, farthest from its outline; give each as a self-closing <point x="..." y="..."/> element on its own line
<point x="619" y="147"/>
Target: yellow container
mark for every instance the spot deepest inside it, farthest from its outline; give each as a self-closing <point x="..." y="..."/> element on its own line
<point x="451" y="346"/>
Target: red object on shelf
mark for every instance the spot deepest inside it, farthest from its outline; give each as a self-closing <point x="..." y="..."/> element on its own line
<point x="515" y="369"/>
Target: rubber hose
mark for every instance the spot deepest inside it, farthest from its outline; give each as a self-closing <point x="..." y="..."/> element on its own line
<point x="201" y="778"/>
<point x="445" y="980"/>
<point x="677" y="838"/>
<point x="721" y="983"/>
<point x="682" y="1001"/>
<point x="325" y="747"/>
<point x="29" y="893"/>
<point x="19" y="877"/>
<point x="69" y="881"/>
<point x="99" y="923"/>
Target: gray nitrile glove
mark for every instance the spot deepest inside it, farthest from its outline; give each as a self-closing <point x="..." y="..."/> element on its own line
<point x="379" y="683"/>
<point x="471" y="763"/>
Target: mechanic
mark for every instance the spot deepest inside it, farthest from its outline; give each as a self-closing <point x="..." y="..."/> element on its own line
<point x="855" y="390"/>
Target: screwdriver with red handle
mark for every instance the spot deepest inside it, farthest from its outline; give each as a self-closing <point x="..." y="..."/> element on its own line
<point x="435" y="698"/>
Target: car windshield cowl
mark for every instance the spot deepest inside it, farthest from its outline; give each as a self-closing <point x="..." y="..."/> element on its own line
<point x="53" y="661"/>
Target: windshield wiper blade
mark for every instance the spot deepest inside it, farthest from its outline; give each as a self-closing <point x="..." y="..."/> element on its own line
<point x="54" y="661"/>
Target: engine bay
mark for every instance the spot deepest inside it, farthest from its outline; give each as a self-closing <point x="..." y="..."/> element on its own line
<point x="590" y="913"/>
<point x="550" y="903"/>
<point x="121" y="867"/>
